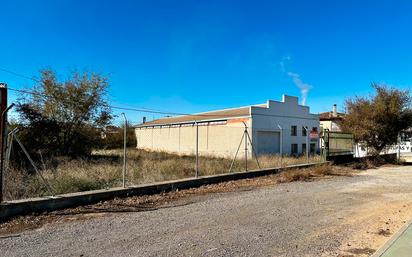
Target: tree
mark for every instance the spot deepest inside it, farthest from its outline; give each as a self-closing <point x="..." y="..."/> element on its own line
<point x="64" y="117"/>
<point x="378" y="119"/>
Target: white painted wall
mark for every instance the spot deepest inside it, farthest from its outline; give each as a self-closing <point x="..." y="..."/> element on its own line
<point x="217" y="140"/>
<point x="286" y="113"/>
<point x="330" y="125"/>
<point x="224" y="139"/>
<point x="404" y="147"/>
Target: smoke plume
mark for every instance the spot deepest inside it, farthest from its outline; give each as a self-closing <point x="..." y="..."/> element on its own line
<point x="303" y="87"/>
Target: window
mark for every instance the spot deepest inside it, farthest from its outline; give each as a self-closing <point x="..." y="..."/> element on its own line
<point x="304" y="132"/>
<point x="312" y="148"/>
<point x="294" y="149"/>
<point x="303" y="148"/>
<point x="294" y="131"/>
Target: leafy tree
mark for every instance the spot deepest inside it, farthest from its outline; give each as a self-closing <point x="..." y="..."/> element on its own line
<point x="64" y="117"/>
<point x="378" y="119"/>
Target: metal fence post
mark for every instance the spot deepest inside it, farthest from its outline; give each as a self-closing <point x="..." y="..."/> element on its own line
<point x="197" y="149"/>
<point x="398" y="154"/>
<point x="246" y="148"/>
<point x="124" y="148"/>
<point x="307" y="147"/>
<point x="281" y="144"/>
<point x="307" y="144"/>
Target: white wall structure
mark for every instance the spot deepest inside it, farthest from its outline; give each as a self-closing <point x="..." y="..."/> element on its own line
<point x="288" y="115"/>
<point x="221" y="133"/>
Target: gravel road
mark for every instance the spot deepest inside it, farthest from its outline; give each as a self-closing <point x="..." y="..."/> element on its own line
<point x="339" y="216"/>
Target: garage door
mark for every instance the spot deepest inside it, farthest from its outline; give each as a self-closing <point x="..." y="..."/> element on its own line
<point x="268" y="142"/>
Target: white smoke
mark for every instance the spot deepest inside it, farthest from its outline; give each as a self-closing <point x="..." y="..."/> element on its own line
<point x="282" y="63"/>
<point x="303" y="87"/>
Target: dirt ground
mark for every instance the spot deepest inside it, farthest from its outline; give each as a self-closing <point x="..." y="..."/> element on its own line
<point x="388" y="209"/>
<point x="341" y="214"/>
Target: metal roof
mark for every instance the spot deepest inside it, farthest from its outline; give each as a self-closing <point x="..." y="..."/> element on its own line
<point x="206" y="116"/>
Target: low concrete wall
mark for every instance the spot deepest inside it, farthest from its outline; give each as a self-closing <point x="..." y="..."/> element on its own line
<point x="43" y="204"/>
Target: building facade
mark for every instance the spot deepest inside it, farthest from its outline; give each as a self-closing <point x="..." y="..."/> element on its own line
<point x="272" y="128"/>
<point x="331" y="120"/>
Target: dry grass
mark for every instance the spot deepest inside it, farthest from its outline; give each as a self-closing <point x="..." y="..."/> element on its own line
<point x="104" y="170"/>
<point x="167" y="199"/>
<point x="308" y="174"/>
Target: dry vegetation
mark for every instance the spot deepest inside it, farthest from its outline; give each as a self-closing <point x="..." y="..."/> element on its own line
<point x="168" y="199"/>
<point x="104" y="170"/>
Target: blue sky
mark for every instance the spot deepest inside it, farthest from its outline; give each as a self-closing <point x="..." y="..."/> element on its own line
<point x="191" y="56"/>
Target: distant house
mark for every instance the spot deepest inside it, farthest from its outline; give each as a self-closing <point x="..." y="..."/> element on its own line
<point x="110" y="129"/>
<point x="331" y="120"/>
<point x="274" y="127"/>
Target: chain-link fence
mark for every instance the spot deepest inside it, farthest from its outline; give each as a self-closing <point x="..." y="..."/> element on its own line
<point x="159" y="153"/>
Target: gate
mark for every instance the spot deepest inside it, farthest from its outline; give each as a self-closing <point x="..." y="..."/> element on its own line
<point x="335" y="144"/>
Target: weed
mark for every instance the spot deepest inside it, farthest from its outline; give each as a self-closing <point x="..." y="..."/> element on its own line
<point x="104" y="170"/>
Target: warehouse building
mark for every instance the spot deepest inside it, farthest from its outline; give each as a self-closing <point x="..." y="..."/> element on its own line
<point x="273" y="127"/>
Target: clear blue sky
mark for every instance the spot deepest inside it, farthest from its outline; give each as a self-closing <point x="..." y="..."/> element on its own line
<point x="190" y="56"/>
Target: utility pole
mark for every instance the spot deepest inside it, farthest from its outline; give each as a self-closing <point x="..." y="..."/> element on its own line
<point x="3" y="109"/>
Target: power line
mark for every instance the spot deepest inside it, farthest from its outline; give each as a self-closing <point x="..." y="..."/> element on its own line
<point x="144" y="110"/>
<point x="136" y="107"/>
<point x="19" y="75"/>
<point x="106" y="105"/>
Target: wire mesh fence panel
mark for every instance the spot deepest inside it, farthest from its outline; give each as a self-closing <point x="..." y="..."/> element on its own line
<point x="229" y="148"/>
<point x="59" y="175"/>
<point x="218" y="144"/>
<point x="163" y="153"/>
<point x="31" y="172"/>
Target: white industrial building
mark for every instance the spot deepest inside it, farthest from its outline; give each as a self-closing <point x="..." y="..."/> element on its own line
<point x="274" y="127"/>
